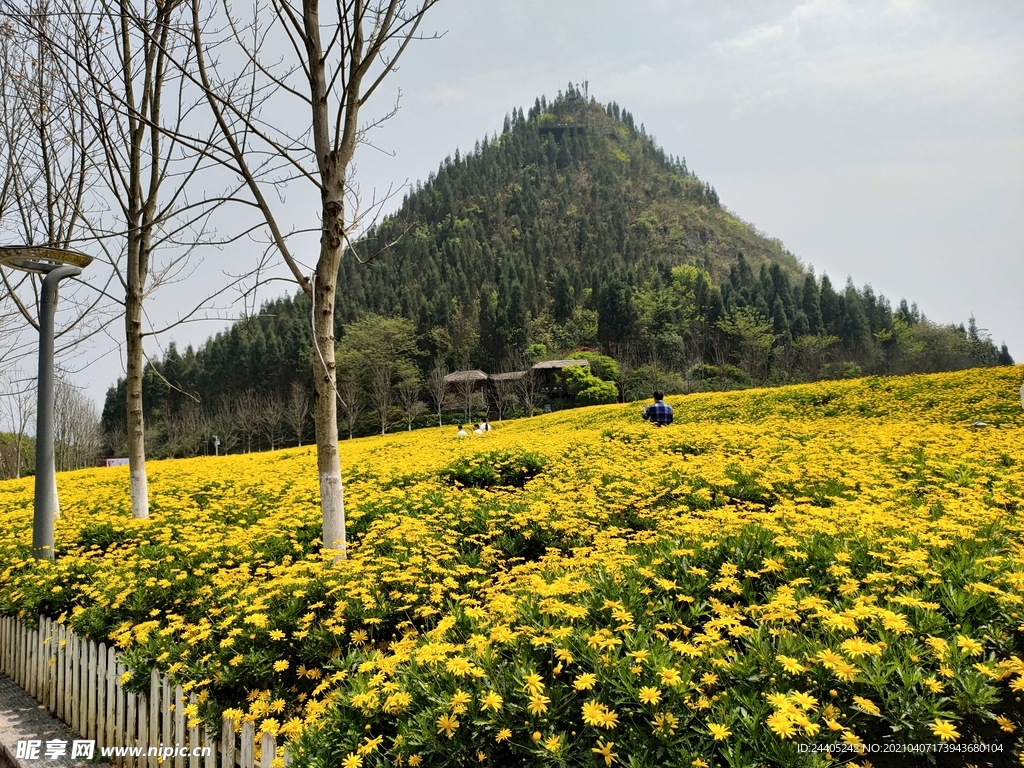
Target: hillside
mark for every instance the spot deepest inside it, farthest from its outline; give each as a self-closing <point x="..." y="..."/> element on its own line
<point x="572" y="190"/>
<point x="850" y="547"/>
<point x="569" y="230"/>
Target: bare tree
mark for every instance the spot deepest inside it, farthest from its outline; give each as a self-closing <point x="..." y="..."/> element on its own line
<point x="248" y="410"/>
<point x="408" y="391"/>
<point x="225" y="427"/>
<point x="504" y="386"/>
<point x="18" y="409"/>
<point x="351" y="397"/>
<point x="382" y="394"/>
<point x="527" y="386"/>
<point x="77" y="437"/>
<point x="296" y="411"/>
<point x="186" y="430"/>
<point x="336" y="57"/>
<point x="437" y="388"/>
<point x="628" y="363"/>
<point x="273" y="418"/>
<point x="47" y="179"/>
<point x="505" y="396"/>
<point x="127" y="111"/>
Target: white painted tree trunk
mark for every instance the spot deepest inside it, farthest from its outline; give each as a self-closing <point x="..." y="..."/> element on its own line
<point x="136" y="426"/>
<point x="325" y="399"/>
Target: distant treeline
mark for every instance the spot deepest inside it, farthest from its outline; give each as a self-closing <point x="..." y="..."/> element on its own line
<point x="250" y="385"/>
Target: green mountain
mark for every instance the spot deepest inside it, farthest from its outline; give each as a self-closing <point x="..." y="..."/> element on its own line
<point x="569" y="201"/>
<point x="571" y="229"/>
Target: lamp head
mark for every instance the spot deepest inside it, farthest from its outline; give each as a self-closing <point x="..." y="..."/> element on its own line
<point x="41" y="259"/>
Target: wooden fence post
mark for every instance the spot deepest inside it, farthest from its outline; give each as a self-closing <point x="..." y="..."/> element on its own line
<point x="154" y="715"/>
<point x="180" y="735"/>
<point x="227" y="743"/>
<point x="111" y="702"/>
<point x="248" y="745"/>
<point x="268" y="750"/>
<point x="193" y="737"/>
<point x="101" y="693"/>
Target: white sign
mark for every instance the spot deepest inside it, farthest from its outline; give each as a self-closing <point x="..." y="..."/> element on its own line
<point x="117" y="462"/>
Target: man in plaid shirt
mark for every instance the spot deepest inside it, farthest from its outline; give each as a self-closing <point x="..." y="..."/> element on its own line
<point x="659" y="412"/>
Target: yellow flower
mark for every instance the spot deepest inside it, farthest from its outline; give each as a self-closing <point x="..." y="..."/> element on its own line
<point x="803" y="700"/>
<point x="415" y="760"/>
<point x="359" y="637"/>
<point x="538" y="704"/>
<point x="829" y="658"/>
<point x="280" y="665"/>
<point x="593" y="713"/>
<point x="671" y="677"/>
<point x="503" y="735"/>
<point x="447" y="724"/>
<point x="666" y="723"/>
<point x="845" y="671"/>
<point x="609" y="720"/>
<point x="370" y="745"/>
<point x="719" y="732"/>
<point x="945" y="730"/>
<point x="585" y="681"/>
<point x="605" y="750"/>
<point x="790" y="664"/>
<point x="459" y="666"/>
<point x="650" y="695"/>
<point x="1006" y="724"/>
<point x="867" y="705"/>
<point x="851" y="738"/>
<point x="553" y="743"/>
<point x="533" y="682"/>
<point x="782" y="724"/>
<point x="352" y="761"/>
<point x="969" y="645"/>
<point x="492" y="701"/>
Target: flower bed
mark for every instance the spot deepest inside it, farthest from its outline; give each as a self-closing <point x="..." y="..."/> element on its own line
<point x="827" y="564"/>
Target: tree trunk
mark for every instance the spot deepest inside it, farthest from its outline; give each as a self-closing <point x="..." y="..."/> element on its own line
<point x="135" y="424"/>
<point x="325" y="401"/>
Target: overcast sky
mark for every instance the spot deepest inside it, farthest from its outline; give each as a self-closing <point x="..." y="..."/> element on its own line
<point x="878" y="139"/>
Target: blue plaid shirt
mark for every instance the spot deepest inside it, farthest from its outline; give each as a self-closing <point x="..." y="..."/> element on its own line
<point x="659" y="412"/>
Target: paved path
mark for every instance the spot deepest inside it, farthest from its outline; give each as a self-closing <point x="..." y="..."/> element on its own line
<point x="23" y="718"/>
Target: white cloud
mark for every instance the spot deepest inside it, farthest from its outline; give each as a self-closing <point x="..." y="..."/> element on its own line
<point x="752" y="37"/>
<point x="827" y="9"/>
<point x="906" y="6"/>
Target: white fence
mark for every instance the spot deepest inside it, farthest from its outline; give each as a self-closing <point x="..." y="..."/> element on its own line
<point x="78" y="680"/>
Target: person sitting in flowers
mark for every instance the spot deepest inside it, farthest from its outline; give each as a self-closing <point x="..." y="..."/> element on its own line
<point x="659" y="412"/>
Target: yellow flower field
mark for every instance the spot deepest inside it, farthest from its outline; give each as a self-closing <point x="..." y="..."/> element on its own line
<point x="781" y="573"/>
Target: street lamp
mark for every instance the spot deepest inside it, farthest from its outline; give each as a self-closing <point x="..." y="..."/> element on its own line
<point x="54" y="264"/>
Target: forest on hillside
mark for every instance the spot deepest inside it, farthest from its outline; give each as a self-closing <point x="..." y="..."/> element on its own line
<point x="570" y="231"/>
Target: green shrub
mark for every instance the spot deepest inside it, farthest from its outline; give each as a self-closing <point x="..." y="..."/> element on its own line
<point x="494" y="468"/>
<point x="598" y="393"/>
<point x="603" y="367"/>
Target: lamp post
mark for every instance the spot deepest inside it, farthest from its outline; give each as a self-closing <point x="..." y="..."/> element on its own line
<point x="54" y="264"/>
